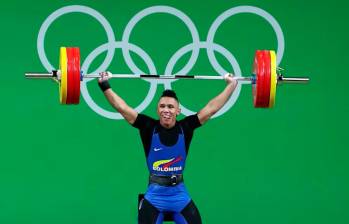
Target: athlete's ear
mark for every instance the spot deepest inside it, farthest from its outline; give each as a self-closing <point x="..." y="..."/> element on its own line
<point x="178" y="111"/>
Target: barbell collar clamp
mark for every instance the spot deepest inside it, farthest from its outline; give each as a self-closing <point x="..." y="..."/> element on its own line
<point x="40" y="75"/>
<point x="281" y="79"/>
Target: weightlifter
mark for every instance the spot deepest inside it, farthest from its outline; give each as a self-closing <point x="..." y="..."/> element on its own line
<point x="166" y="144"/>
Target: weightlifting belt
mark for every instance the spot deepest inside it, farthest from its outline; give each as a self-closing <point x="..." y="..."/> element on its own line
<point x="167" y="181"/>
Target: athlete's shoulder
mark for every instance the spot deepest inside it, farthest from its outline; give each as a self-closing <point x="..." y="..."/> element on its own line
<point x="144" y="121"/>
<point x="191" y="121"/>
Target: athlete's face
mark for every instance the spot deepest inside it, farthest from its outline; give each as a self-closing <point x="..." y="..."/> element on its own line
<point x="168" y="109"/>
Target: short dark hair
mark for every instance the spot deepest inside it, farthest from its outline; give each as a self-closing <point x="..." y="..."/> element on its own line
<point x="169" y="93"/>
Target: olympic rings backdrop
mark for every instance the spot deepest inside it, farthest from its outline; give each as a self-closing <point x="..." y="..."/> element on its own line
<point x="85" y="164"/>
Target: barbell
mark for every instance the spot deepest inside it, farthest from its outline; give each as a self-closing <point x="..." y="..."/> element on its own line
<point x="264" y="78"/>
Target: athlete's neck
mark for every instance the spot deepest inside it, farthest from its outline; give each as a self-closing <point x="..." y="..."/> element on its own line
<point x="168" y="126"/>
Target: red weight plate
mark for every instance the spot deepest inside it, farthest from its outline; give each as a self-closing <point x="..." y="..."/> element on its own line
<point x="74" y="73"/>
<point x="260" y="79"/>
<point x="77" y="76"/>
<point x="70" y="74"/>
<point x="255" y="72"/>
<point x="266" y="82"/>
<point x="259" y="72"/>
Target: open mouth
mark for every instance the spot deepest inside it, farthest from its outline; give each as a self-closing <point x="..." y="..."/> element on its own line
<point x="166" y="117"/>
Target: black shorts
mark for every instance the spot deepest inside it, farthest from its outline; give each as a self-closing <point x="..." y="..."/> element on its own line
<point x="148" y="214"/>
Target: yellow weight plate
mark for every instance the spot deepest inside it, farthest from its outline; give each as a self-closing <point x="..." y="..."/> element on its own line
<point x="63" y="68"/>
<point x="273" y="79"/>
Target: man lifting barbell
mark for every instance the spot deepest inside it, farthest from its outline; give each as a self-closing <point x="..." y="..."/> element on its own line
<point x="166" y="141"/>
<point x="166" y="144"/>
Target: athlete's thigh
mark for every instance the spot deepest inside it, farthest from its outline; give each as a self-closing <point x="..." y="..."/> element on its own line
<point x="191" y="213"/>
<point x="147" y="213"/>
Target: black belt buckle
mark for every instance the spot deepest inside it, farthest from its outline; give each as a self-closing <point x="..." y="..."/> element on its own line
<point x="174" y="180"/>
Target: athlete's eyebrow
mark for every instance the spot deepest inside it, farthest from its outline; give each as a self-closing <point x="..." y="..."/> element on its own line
<point x="170" y="105"/>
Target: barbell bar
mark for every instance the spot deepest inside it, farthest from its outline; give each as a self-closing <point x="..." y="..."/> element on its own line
<point x="264" y="79"/>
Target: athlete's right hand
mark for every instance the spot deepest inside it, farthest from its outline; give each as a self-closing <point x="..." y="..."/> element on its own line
<point x="104" y="76"/>
<point x="229" y="78"/>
